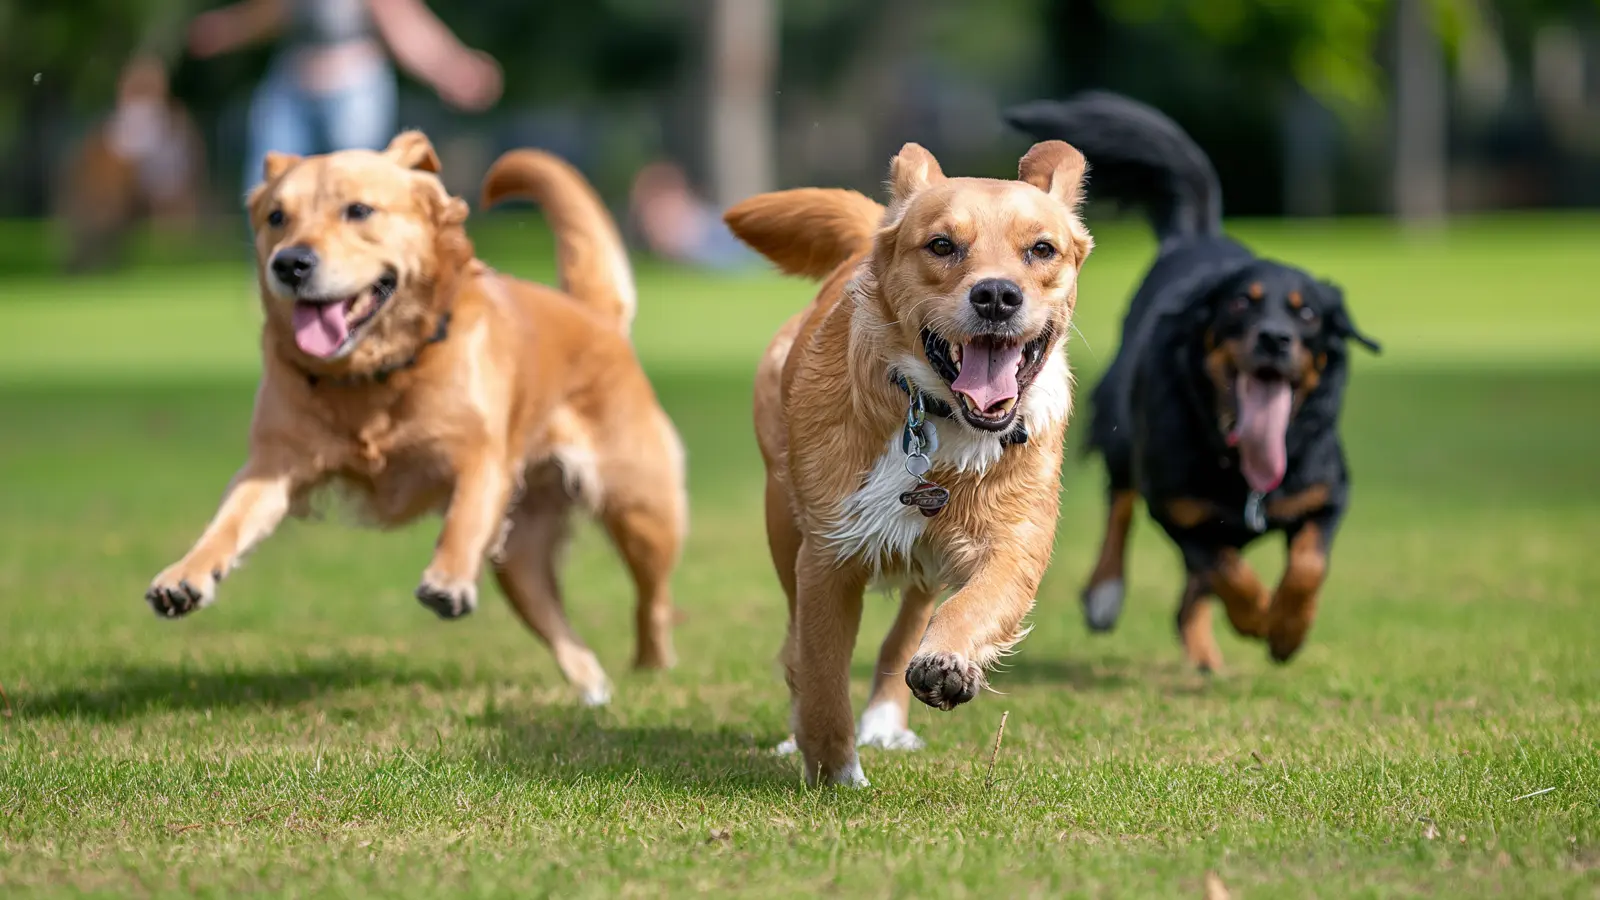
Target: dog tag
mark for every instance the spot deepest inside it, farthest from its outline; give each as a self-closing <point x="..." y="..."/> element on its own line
<point x="1254" y="515"/>
<point x="918" y="465"/>
<point x="927" y="497"/>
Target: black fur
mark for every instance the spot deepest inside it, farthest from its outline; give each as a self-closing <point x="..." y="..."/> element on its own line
<point x="1155" y="416"/>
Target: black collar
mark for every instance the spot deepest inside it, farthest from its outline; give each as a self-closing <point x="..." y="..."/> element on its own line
<point x="382" y="373"/>
<point x="936" y="407"/>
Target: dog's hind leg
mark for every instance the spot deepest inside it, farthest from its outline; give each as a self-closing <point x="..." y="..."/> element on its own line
<point x="648" y="531"/>
<point x="884" y="723"/>
<point x="1102" y="597"/>
<point x="1194" y="625"/>
<point x="527" y="572"/>
<point x="783" y="541"/>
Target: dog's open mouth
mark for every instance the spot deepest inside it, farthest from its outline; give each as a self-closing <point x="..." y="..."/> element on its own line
<point x="988" y="374"/>
<point x="324" y="328"/>
<point x="1263" y="402"/>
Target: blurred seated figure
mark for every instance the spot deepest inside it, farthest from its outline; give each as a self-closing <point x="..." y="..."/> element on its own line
<point x="146" y="160"/>
<point x="679" y="226"/>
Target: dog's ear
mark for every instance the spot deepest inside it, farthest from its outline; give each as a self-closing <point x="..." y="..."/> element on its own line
<point x="413" y="150"/>
<point x="913" y="169"/>
<point x="1057" y="168"/>
<point x="1339" y="321"/>
<point x="276" y="164"/>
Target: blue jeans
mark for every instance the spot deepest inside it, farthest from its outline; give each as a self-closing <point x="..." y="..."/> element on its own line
<point x="287" y="118"/>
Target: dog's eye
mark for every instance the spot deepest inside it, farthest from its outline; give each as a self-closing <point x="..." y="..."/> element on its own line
<point x="1043" y="250"/>
<point x="276" y="218"/>
<point x="1239" y="305"/>
<point x="357" y="212"/>
<point x="1308" y="315"/>
<point x="941" y="246"/>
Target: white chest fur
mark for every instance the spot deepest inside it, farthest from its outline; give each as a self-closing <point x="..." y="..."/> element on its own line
<point x="874" y="526"/>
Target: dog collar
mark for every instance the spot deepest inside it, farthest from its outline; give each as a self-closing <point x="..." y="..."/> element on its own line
<point x="382" y="373"/>
<point x="1018" y="434"/>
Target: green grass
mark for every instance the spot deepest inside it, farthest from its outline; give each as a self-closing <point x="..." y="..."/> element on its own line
<point x="319" y="733"/>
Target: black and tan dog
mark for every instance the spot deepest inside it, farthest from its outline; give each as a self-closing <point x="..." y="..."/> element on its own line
<point x="1222" y="406"/>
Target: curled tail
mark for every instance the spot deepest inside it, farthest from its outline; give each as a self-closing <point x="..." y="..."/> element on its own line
<point x="807" y="231"/>
<point x="1137" y="155"/>
<point x="590" y="256"/>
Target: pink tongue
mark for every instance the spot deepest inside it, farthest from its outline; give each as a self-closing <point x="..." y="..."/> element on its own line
<point x="988" y="374"/>
<point x="320" y="328"/>
<point x="1262" y="429"/>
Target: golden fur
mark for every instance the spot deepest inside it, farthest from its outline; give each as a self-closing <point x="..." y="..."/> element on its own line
<point x="828" y="421"/>
<point x="531" y="404"/>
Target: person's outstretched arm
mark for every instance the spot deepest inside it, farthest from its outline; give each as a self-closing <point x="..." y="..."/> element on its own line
<point x="231" y="27"/>
<point x="425" y="47"/>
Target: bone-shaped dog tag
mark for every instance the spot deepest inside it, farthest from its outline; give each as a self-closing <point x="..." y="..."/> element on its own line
<point x="927" y="497"/>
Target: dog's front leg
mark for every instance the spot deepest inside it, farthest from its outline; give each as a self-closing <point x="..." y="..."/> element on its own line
<point x="256" y="501"/>
<point x="827" y="618"/>
<point x="980" y="622"/>
<point x="1294" y="604"/>
<point x="477" y="512"/>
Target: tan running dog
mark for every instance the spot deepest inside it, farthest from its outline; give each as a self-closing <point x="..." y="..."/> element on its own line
<point x="911" y="420"/>
<point x="398" y="367"/>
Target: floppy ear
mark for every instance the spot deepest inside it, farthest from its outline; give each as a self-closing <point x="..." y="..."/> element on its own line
<point x="413" y="150"/>
<point x="1339" y="321"/>
<point x="913" y="169"/>
<point x="1055" y="167"/>
<point x="278" y="163"/>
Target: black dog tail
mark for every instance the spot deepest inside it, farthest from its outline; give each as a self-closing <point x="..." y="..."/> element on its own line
<point x="1136" y="155"/>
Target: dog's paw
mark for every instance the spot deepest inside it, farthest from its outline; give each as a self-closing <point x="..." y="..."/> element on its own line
<point x="1284" y="639"/>
<point x="845" y="775"/>
<point x="943" y="680"/>
<point x="787" y="747"/>
<point x="449" y="598"/>
<point x="178" y="592"/>
<point x="883" y="725"/>
<point x="1102" y="604"/>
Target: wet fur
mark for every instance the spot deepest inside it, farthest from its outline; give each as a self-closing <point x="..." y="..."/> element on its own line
<point x="533" y="405"/>
<point x="827" y="420"/>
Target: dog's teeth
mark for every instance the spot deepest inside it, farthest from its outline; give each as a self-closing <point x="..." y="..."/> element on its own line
<point x="955" y="356"/>
<point x="1005" y="405"/>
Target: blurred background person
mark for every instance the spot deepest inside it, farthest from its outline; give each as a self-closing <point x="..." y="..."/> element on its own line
<point x="677" y="225"/>
<point x="331" y="86"/>
<point x="146" y="159"/>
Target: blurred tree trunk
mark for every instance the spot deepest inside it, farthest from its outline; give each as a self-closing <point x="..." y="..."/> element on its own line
<point x="1421" y="116"/>
<point x="742" y="59"/>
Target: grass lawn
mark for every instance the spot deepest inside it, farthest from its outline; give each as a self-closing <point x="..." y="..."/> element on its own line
<point x="319" y="733"/>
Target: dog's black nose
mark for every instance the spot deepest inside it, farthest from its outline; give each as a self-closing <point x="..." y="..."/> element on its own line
<point x="293" y="265"/>
<point x="1274" y="342"/>
<point x="996" y="299"/>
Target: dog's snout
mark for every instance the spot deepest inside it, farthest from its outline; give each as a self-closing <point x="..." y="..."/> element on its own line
<point x="293" y="265"/>
<point x="996" y="299"/>
<point x="1274" y="343"/>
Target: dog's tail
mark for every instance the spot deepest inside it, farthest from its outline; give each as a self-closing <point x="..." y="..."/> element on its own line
<point x="1136" y="155"/>
<point x="590" y="255"/>
<point x="808" y="231"/>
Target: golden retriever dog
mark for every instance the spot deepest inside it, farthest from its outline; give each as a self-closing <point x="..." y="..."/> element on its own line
<point x="911" y="420"/>
<point x="399" y="368"/>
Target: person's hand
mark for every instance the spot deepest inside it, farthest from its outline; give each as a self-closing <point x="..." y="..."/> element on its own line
<point x="209" y="35"/>
<point x="472" y="82"/>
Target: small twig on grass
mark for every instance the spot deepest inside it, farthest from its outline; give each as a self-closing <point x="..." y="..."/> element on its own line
<point x="1260" y="760"/>
<point x="180" y="829"/>
<point x="7" y="712"/>
<point x="988" y="779"/>
<point x="1534" y="794"/>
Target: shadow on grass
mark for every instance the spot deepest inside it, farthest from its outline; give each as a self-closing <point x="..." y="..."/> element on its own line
<point x="125" y="692"/>
<point x="566" y="743"/>
<point x="555" y="741"/>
